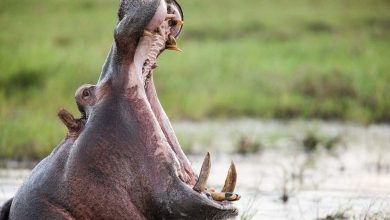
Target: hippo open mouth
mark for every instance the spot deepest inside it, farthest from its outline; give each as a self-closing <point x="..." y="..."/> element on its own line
<point x="121" y="159"/>
<point x="158" y="35"/>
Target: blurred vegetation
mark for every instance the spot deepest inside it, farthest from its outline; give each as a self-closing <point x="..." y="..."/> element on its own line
<point x="312" y="141"/>
<point x="248" y="145"/>
<point x="260" y="58"/>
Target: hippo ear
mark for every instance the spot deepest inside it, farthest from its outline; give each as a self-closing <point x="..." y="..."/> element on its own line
<point x="133" y="16"/>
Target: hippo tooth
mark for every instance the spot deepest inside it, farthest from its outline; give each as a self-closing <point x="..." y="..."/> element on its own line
<point x="175" y="22"/>
<point x="179" y="22"/>
<point x="200" y="185"/>
<point x="172" y="44"/>
<point x="170" y="16"/>
<point x="171" y="40"/>
<point x="148" y="33"/>
<point x="222" y="196"/>
<point x="173" y="47"/>
<point x="231" y="179"/>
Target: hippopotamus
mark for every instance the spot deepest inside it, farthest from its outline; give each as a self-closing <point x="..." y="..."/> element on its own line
<point x="121" y="159"/>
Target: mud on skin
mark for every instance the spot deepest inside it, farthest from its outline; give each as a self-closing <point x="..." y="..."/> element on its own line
<point x="121" y="159"/>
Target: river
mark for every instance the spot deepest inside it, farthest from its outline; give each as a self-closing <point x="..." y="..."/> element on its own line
<point x="286" y="170"/>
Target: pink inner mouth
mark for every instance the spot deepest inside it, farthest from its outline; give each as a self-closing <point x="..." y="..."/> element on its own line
<point x="149" y="48"/>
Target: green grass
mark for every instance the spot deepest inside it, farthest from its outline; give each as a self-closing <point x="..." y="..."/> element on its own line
<point x="260" y="58"/>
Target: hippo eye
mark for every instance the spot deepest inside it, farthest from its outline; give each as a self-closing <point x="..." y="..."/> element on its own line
<point x="86" y="93"/>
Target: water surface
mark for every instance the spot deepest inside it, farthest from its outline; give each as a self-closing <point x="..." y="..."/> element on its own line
<point x="282" y="180"/>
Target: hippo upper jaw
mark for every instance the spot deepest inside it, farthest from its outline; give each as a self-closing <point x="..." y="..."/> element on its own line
<point x="129" y="66"/>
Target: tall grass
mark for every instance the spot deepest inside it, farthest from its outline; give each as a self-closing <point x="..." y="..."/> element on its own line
<point x="273" y="59"/>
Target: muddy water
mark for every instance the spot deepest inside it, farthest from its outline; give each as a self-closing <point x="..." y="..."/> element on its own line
<point x="282" y="180"/>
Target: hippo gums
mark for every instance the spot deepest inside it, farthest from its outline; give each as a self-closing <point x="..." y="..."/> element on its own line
<point x="121" y="159"/>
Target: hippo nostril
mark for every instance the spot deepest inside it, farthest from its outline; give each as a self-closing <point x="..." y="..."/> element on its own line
<point x="148" y="33"/>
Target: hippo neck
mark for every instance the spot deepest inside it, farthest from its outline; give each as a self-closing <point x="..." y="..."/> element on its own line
<point x="130" y="136"/>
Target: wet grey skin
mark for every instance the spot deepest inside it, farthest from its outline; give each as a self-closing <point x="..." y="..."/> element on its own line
<point x="121" y="159"/>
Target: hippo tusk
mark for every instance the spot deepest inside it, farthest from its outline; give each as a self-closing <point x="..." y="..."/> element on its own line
<point x="148" y="33"/>
<point x="200" y="185"/>
<point x="172" y="44"/>
<point x="231" y="179"/>
<point x="173" y="47"/>
<point x="174" y="22"/>
<point x="222" y="196"/>
<point x="170" y="16"/>
<point x="179" y="22"/>
<point x="171" y="40"/>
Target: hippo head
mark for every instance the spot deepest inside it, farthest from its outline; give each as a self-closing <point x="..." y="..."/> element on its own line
<point x="125" y="143"/>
